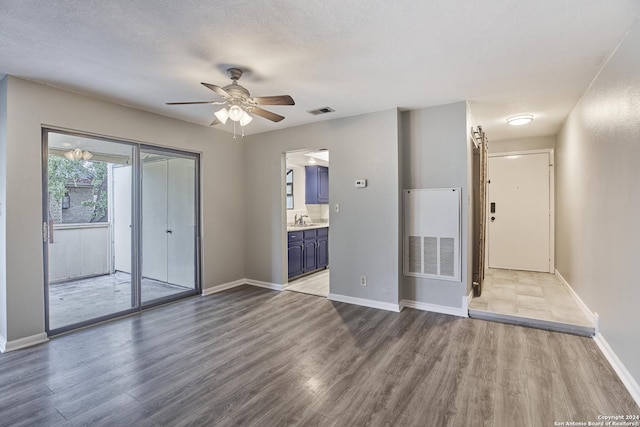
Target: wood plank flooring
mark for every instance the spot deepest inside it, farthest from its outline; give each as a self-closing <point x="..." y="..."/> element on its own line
<point x="251" y="356"/>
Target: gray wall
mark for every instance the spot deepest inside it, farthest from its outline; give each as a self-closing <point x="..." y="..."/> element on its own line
<point x="3" y="204"/>
<point x="597" y="203"/>
<point x="436" y="153"/>
<point x="31" y="105"/>
<point x="363" y="237"/>
<point x="522" y="144"/>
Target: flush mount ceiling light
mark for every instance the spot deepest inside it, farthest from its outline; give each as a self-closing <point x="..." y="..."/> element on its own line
<point x="519" y="120"/>
<point x="78" y="154"/>
<point x="238" y="103"/>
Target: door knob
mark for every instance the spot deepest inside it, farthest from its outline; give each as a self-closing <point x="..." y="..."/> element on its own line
<point x="493" y="218"/>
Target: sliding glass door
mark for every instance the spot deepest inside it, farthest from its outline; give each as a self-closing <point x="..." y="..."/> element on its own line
<point x="120" y="228"/>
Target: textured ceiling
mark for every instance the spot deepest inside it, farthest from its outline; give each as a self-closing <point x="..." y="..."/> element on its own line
<point x="503" y="56"/>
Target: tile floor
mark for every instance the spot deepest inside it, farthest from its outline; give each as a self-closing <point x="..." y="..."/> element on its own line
<point x="530" y="298"/>
<point x="313" y="284"/>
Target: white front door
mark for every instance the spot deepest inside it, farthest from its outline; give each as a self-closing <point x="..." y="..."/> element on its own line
<point x="519" y="212"/>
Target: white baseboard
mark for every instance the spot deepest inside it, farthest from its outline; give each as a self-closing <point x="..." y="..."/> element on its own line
<point x="625" y="376"/>
<point x="268" y="285"/>
<point x="223" y="287"/>
<point x="365" y="302"/>
<point x="591" y="315"/>
<point x="6" y="346"/>
<point x="436" y="308"/>
<point x="240" y="282"/>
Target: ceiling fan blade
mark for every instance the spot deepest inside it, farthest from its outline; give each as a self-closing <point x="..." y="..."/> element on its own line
<point x="217" y="89"/>
<point x="215" y="122"/>
<point x="266" y="114"/>
<point x="185" y="103"/>
<point x="274" y="100"/>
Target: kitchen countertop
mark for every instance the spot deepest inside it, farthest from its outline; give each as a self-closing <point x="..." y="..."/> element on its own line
<point x="307" y="226"/>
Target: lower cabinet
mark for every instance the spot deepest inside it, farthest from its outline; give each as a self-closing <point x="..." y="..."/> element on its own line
<point x="322" y="248"/>
<point x="308" y="251"/>
<point x="295" y="253"/>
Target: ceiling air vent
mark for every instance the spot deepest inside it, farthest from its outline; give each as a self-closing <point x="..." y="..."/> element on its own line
<point x="323" y="110"/>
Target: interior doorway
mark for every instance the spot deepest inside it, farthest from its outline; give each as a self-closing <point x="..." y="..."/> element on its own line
<point x="306" y="202"/>
<point x="518" y="285"/>
<point x="120" y="228"/>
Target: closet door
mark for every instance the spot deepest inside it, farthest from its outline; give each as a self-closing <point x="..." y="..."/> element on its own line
<point x="169" y="224"/>
<point x="181" y="222"/>
<point x="154" y="220"/>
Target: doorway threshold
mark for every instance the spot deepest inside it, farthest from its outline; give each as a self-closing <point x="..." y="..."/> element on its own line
<point x="585" y="331"/>
<point x="314" y="284"/>
<point x="532" y="299"/>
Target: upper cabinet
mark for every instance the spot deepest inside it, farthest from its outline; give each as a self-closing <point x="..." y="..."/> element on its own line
<point x="317" y="185"/>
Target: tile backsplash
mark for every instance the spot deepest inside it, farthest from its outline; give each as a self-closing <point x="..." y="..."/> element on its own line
<point x="315" y="213"/>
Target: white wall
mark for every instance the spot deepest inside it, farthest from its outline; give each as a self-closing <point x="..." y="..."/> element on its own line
<point x="597" y="203"/>
<point x="437" y="154"/>
<point x="521" y="144"/>
<point x="363" y="237"/>
<point x="3" y="205"/>
<point x="30" y="106"/>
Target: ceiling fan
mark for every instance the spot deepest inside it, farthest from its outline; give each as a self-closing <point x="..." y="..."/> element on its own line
<point x="238" y="102"/>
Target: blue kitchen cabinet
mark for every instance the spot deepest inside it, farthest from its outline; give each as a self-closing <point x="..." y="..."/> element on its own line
<point x="317" y="185"/>
<point x="322" y="248"/>
<point x="308" y="251"/>
<point x="295" y="253"/>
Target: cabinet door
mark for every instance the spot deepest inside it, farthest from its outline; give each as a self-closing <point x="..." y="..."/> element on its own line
<point x="309" y="255"/>
<point x="323" y="184"/>
<point x="295" y="259"/>
<point x="311" y="185"/>
<point x="323" y="252"/>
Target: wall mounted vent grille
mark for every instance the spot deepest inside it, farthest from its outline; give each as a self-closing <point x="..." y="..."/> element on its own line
<point x="432" y="233"/>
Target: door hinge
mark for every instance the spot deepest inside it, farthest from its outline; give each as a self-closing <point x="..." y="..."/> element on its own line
<point x="45" y="231"/>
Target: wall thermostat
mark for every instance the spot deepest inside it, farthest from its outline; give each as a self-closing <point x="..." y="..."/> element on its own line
<point x="361" y="183"/>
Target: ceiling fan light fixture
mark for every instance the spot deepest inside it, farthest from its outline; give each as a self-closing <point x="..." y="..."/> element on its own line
<point x="519" y="120"/>
<point x="236" y="113"/>
<point x="222" y="115"/>
<point x="78" y="154"/>
<point x="245" y="119"/>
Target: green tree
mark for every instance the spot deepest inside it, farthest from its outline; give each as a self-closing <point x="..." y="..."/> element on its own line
<point x="100" y="205"/>
<point x="62" y="171"/>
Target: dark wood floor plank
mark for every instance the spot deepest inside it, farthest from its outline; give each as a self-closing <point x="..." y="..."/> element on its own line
<point x="251" y="356"/>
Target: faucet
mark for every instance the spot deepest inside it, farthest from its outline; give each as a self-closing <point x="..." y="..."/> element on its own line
<point x="300" y="220"/>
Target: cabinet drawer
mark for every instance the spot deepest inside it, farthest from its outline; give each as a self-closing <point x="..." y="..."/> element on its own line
<point x="294" y="236"/>
<point x="323" y="232"/>
<point x="310" y="234"/>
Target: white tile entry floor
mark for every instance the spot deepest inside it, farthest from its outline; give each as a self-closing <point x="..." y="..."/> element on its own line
<point x="530" y="298"/>
<point x="313" y="284"/>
